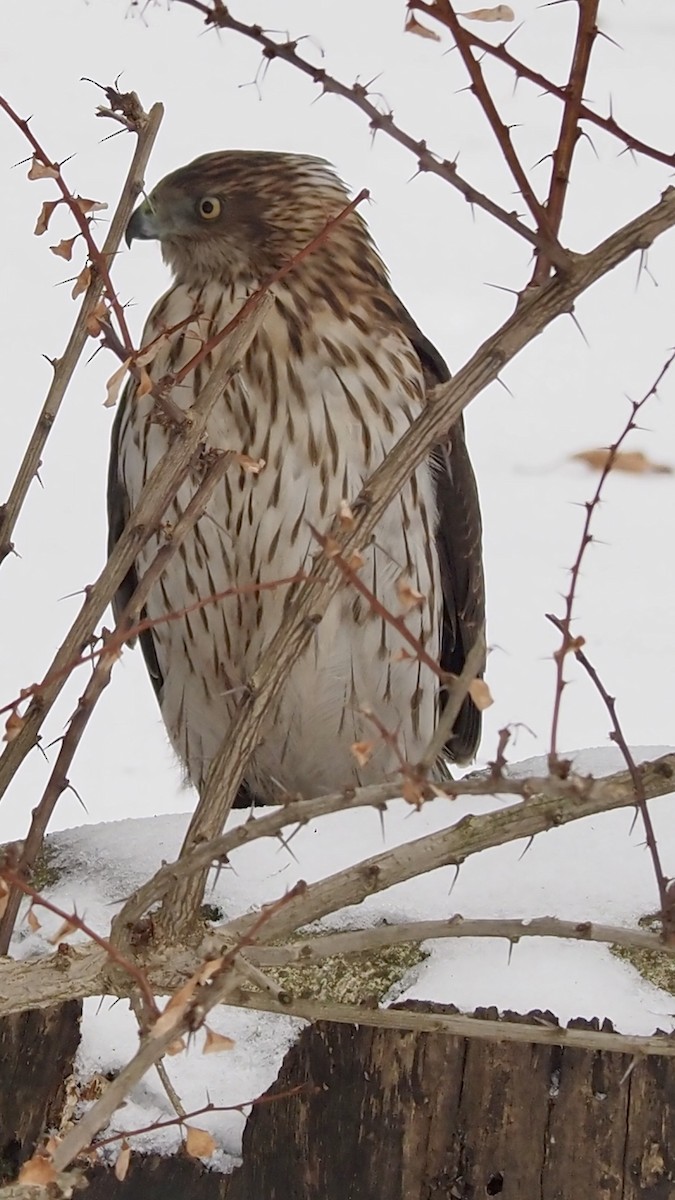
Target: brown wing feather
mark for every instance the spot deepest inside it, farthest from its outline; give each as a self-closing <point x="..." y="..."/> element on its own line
<point x="459" y="544"/>
<point x="118" y="514"/>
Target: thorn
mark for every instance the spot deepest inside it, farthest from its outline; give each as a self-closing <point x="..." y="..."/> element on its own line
<point x="576" y="322"/>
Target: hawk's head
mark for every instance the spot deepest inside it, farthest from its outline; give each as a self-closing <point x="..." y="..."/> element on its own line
<point x="238" y="214"/>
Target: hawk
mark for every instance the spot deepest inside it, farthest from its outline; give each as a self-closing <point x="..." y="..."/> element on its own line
<point x="333" y="378"/>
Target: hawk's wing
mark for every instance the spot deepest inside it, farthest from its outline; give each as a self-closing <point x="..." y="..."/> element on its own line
<point x="118" y="515"/>
<point x="459" y="544"/>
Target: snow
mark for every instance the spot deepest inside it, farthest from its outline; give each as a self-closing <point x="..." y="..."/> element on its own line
<point x="564" y="395"/>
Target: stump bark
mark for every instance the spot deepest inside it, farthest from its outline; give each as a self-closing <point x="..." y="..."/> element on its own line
<point x="396" y="1115"/>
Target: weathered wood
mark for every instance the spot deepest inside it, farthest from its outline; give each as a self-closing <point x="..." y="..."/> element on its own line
<point x="37" y="1050"/>
<point x="401" y="1115"/>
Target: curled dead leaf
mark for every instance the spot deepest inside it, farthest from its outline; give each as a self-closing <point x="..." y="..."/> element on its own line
<point x="38" y="1171"/>
<point x="198" y="1142"/>
<point x="65" y="930"/>
<point x="501" y="12"/>
<point x="409" y="597"/>
<point x="13" y="726"/>
<point x="251" y="465"/>
<point x="81" y="283"/>
<point x="40" y="170"/>
<point x="32" y="921"/>
<point x="45" y="216"/>
<point x="114" y="384"/>
<point x="4" y="896"/>
<point x="480" y="694"/>
<point x="412" y="793"/>
<point x="412" y="25"/>
<point x="215" y="1043"/>
<point x="122" y="1161"/>
<point x="95" y="318"/>
<point x="64" y="249"/>
<point x="144" y="385"/>
<point x="345" y="515"/>
<point x="362" y="752"/>
<point x="633" y="462"/>
<point x="176" y="1047"/>
<point x="89" y="206"/>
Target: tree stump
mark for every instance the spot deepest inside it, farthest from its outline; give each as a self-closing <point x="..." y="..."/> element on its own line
<point x="37" y="1051"/>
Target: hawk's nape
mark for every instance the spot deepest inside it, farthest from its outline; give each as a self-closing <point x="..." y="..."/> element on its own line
<point x="334" y="377"/>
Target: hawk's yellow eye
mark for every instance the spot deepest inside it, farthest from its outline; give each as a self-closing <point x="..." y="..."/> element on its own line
<point x="209" y="208"/>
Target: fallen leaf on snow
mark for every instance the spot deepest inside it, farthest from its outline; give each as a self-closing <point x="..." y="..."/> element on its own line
<point x="198" y="1142"/>
<point x="215" y="1043"/>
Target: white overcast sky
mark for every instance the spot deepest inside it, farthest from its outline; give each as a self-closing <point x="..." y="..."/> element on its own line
<point x="565" y="395"/>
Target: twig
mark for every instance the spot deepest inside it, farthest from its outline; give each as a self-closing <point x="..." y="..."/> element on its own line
<point x="459" y="1025"/>
<point x="564" y="624"/>
<point x="456" y="692"/>
<point x="618" y="737"/>
<point x="219" y="17"/>
<point x="569" y="128"/>
<point x="85" y="971"/>
<point x="65" y="366"/>
<point x="546" y="227"/>
<point x="523" y="71"/>
<point x="358" y="941"/>
<point x="73" y="921"/>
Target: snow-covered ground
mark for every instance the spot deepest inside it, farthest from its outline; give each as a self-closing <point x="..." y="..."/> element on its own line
<point x="565" y="395"/>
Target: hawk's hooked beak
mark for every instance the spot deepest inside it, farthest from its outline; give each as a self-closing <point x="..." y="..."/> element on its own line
<point x="142" y="224"/>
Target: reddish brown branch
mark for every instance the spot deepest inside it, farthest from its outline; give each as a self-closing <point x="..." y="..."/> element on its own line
<point x="257" y="1102"/>
<point x="331" y="551"/>
<point x="523" y="71"/>
<point x="97" y="259"/>
<point x="546" y="226"/>
<point x="569" y="128"/>
<point x="565" y="623"/>
<point x="218" y="16"/>
<point x="617" y="736"/>
<point x="71" y="919"/>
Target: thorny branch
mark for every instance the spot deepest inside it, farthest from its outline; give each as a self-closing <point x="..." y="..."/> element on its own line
<point x="521" y="70"/>
<point x="65" y="366"/>
<point x="218" y="16"/>
<point x="617" y="736"/>
<point x="564" y="624"/>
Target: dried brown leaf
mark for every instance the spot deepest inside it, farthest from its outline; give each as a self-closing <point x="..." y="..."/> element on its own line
<point x="13" y="726"/>
<point x="412" y="793"/>
<point x="198" y="1142"/>
<point x="65" y="930"/>
<point x="176" y="1047"/>
<point x="32" y="921"/>
<point x="4" y="896"/>
<point x="114" y="384"/>
<point x="89" y="206"/>
<point x="412" y="25"/>
<point x="95" y="318"/>
<point x="502" y="12"/>
<point x="480" y="694"/>
<point x="633" y="462"/>
<point x="122" y="1161"/>
<point x="251" y="465"/>
<point x="215" y="1043"/>
<point x="355" y="561"/>
<point x="345" y="515"/>
<point x="45" y="216"/>
<point x="409" y="597"/>
<point x="40" y="170"/>
<point x="362" y="751"/>
<point x="38" y="1171"/>
<point x="64" y="249"/>
<point x="144" y="384"/>
<point x="81" y="283"/>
